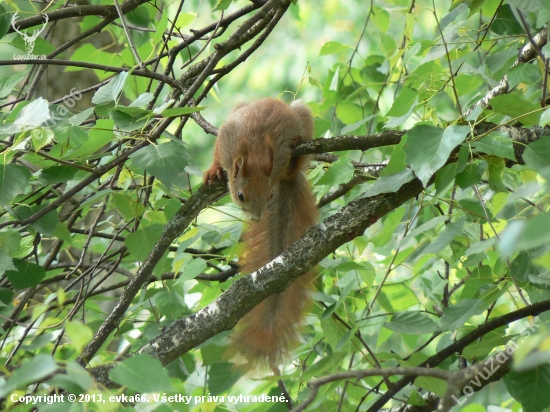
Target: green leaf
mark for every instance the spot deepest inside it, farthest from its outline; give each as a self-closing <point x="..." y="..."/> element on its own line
<point x="192" y="268"/>
<point x="396" y="297"/>
<point x="435" y="385"/>
<point x="333" y="47"/>
<point x="382" y="19"/>
<point x="446" y="237"/>
<point x="79" y="375"/>
<point x="141" y="242"/>
<point x="6" y="263"/>
<point x="466" y="84"/>
<point x="141" y="373"/>
<point x="452" y="16"/>
<point x="327" y="362"/>
<point x="480" y="247"/>
<point x="537" y="154"/>
<point x="164" y="161"/>
<point x="78" y="118"/>
<point x="57" y="174"/>
<point x="429" y="225"/>
<point x="222" y="5"/>
<point x="8" y="83"/>
<point x="180" y="111"/>
<point x="522" y="266"/>
<point x="496" y="143"/>
<point x="525" y="234"/>
<point x="438" y="49"/>
<point x="100" y="135"/>
<point x="170" y="303"/>
<point x="31" y="371"/>
<point x="475" y="209"/>
<point x="391" y="221"/>
<point x="69" y="137"/>
<point x="26" y="274"/>
<point x="447" y="173"/>
<point x="41" y="137"/>
<point x="496" y="168"/>
<point x="221" y="377"/>
<point x="545" y="118"/>
<point x="397" y="161"/>
<point x="515" y="106"/>
<point x="506" y="22"/>
<point x="6" y="295"/>
<point x="157" y="37"/>
<point x="354" y="126"/>
<point x="428" y="148"/>
<point x="111" y="91"/>
<point x="526" y="73"/>
<point x="522" y="386"/>
<point x="130" y="118"/>
<point x="45" y="225"/>
<point x="390" y="183"/>
<point x="79" y="334"/>
<point x="399" y="106"/>
<point x="128" y="207"/>
<point x="349" y="113"/>
<point x="402" y="104"/>
<point x="185" y="19"/>
<point x="211" y="353"/>
<point x="411" y="323"/>
<point x="14" y="180"/>
<point x="472" y="174"/>
<point x="483" y="348"/>
<point x="5" y="22"/>
<point x="346" y="338"/>
<point x="143" y="99"/>
<point x="455" y="317"/>
<point x="444" y="177"/>
<point x="32" y="115"/>
<point x="10" y="242"/>
<point x="339" y="172"/>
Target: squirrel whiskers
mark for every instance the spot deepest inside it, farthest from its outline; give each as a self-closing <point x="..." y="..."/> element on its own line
<point x="254" y="145"/>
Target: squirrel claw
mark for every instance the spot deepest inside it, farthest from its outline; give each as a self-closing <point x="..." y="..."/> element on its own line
<point x="211" y="174"/>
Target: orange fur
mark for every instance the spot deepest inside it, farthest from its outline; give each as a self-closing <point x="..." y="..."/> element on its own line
<point x="267" y="333"/>
<point x="255" y="146"/>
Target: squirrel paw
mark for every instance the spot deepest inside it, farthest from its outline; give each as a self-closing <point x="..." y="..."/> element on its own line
<point x="211" y="174"/>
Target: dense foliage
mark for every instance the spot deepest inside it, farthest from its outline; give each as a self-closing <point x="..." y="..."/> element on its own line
<point x="119" y="278"/>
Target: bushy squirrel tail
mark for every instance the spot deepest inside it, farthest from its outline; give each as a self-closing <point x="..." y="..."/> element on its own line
<point x="267" y="333"/>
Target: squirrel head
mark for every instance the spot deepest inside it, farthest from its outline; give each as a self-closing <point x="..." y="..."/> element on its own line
<point x="250" y="181"/>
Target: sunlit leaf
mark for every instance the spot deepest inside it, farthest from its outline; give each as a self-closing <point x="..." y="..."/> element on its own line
<point x="428" y="148"/>
<point x="164" y="161"/>
<point x="141" y="373"/>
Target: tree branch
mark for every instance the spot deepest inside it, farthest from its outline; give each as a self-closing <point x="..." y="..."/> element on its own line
<point x="77" y="11"/>
<point x="527" y="53"/>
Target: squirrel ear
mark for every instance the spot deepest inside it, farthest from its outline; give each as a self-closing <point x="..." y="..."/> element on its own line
<point x="239" y="165"/>
<point x="240" y="162"/>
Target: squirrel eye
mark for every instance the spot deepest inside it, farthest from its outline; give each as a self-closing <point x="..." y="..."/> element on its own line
<point x="271" y="197"/>
<point x="240" y="196"/>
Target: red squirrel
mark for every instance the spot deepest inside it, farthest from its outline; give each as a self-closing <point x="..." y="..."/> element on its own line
<point x="254" y="146"/>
